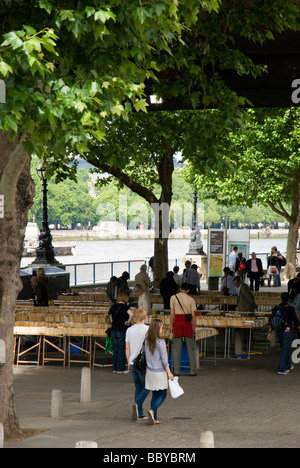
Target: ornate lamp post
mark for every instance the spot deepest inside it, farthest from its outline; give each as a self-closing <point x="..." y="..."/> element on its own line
<point x="45" y="250"/>
<point x="196" y="245"/>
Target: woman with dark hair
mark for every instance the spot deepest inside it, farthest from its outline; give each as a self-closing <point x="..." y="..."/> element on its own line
<point x="158" y="370"/>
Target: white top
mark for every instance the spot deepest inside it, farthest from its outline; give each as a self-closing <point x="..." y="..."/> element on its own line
<point x="232" y="259"/>
<point x="135" y="336"/>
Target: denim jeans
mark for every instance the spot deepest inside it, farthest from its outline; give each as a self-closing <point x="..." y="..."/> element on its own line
<point x="158" y="397"/>
<point x="285" y="340"/>
<point x="141" y="392"/>
<point x="119" y="358"/>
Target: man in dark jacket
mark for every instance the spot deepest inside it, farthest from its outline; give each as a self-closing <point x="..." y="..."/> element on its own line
<point x="254" y="271"/>
<point x="282" y="320"/>
<point x="168" y="288"/>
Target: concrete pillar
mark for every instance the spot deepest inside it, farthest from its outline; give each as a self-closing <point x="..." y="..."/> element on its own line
<point x="207" y="440"/>
<point x="1" y="436"/>
<point x="86" y="444"/>
<point x="86" y="392"/>
<point x="56" y="403"/>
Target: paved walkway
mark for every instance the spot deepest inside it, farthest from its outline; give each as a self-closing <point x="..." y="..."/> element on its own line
<point x="243" y="402"/>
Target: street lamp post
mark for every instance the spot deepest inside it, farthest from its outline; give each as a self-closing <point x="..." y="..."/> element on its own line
<point x="45" y="250"/>
<point x="195" y="245"/>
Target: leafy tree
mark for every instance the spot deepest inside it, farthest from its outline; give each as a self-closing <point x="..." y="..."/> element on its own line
<point x="68" y="66"/>
<point x="69" y="202"/>
<point x="263" y="166"/>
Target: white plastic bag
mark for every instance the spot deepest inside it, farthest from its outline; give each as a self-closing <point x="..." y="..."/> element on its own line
<point x="175" y="388"/>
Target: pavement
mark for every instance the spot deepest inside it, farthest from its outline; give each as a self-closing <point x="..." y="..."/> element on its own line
<point x="243" y="402"/>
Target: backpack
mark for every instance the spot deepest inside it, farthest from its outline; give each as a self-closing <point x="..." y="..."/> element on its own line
<point x="278" y="320"/>
<point x="241" y="266"/>
<point x="282" y="261"/>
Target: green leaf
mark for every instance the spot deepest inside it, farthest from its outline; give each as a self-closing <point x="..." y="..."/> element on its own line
<point x="141" y="105"/>
<point x="5" y="68"/>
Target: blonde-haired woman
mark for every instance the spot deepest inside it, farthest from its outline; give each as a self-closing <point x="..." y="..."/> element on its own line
<point x="135" y="337"/>
<point x="158" y="370"/>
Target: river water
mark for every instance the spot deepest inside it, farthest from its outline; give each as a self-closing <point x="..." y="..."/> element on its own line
<point x="132" y="249"/>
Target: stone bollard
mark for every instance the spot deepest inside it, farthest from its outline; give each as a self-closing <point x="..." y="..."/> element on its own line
<point x="207" y="440"/>
<point x="1" y="436"/>
<point x="86" y="444"/>
<point x="85" y="393"/>
<point x="56" y="403"/>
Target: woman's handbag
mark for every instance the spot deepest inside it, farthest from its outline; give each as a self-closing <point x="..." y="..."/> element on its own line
<point x="175" y="389"/>
<point x="139" y="363"/>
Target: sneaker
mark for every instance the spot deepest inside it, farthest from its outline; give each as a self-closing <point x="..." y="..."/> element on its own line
<point x="134" y="412"/>
<point x="142" y="418"/>
<point x="283" y="373"/>
<point x="292" y="368"/>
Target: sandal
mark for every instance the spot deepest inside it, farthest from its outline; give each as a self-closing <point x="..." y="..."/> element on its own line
<point x="151" y="417"/>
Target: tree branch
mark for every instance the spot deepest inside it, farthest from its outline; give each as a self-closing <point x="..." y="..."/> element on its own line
<point x="126" y="180"/>
<point x="281" y="212"/>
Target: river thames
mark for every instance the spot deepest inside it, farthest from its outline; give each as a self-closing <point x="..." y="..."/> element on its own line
<point x="127" y="249"/>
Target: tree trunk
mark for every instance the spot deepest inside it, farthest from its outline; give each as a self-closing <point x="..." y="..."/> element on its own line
<point x="293" y="219"/>
<point x="291" y="253"/>
<point x="18" y="189"/>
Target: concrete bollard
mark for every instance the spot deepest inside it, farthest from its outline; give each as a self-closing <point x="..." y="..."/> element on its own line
<point x="86" y="444"/>
<point x="86" y="392"/>
<point x="1" y="436"/>
<point x="56" y="403"/>
<point x="207" y="440"/>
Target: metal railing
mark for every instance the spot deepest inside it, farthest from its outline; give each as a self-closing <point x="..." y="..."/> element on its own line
<point x="97" y="273"/>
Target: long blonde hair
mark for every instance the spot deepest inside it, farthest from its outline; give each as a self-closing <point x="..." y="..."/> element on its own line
<point x="153" y="334"/>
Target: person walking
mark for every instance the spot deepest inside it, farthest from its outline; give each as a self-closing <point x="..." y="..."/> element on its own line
<point x="240" y="265"/>
<point x="273" y="268"/>
<point x="192" y="278"/>
<point x="121" y="315"/>
<point x="254" y="271"/>
<point x="157" y="369"/>
<point x="183" y="326"/>
<point x="143" y="279"/>
<point x="232" y="258"/>
<point x="168" y="288"/>
<point x="135" y="338"/>
<point x="282" y="319"/>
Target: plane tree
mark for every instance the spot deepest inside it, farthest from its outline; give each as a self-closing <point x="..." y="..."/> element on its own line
<point x="69" y="67"/>
<point x="263" y="165"/>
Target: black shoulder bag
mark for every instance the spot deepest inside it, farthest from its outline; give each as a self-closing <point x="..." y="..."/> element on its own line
<point x="139" y="363"/>
<point x="188" y="317"/>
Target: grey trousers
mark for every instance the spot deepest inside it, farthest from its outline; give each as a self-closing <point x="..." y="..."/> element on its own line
<point x="176" y="353"/>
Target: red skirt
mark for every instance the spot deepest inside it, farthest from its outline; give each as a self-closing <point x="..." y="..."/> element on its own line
<point x="181" y="327"/>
